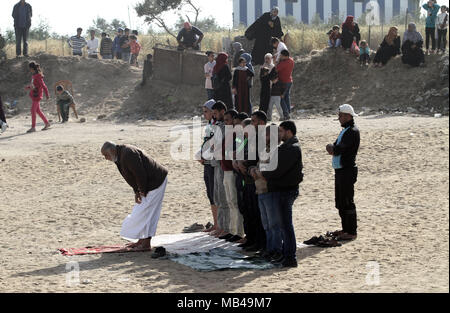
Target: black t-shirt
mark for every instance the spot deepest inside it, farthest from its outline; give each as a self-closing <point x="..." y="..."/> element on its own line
<point x="189" y="37"/>
<point x="123" y="40"/>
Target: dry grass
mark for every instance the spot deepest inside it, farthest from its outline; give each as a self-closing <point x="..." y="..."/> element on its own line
<point x="303" y="39"/>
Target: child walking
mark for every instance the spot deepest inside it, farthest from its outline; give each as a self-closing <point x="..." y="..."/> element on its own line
<point x="37" y="88"/>
<point x="364" y="53"/>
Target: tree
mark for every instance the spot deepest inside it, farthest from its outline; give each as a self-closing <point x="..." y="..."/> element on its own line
<point x="208" y="24"/>
<point x="153" y="11"/>
<point x="41" y="31"/>
<point x="101" y="25"/>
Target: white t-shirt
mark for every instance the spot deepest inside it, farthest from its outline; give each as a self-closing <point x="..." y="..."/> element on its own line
<point x="281" y="47"/>
<point x="92" y="46"/>
<point x="440" y="20"/>
<point x="209" y="67"/>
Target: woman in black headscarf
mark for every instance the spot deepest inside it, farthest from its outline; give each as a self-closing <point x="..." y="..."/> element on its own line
<point x="412" y="47"/>
<point x="262" y="30"/>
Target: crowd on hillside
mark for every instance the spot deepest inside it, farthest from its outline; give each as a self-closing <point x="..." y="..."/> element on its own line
<point x="410" y="47"/>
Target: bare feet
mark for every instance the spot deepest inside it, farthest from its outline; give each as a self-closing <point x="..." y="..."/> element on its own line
<point x="210" y="229"/>
<point x="141" y="245"/>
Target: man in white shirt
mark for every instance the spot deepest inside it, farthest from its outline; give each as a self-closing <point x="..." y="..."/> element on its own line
<point x="278" y="46"/>
<point x="92" y="46"/>
<point x="209" y="67"/>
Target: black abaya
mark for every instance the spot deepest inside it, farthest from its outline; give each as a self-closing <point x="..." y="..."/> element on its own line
<point x="262" y="32"/>
<point x="413" y="56"/>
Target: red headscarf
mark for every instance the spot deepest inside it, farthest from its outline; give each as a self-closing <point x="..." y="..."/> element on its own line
<point x="221" y="61"/>
<point x="349" y="22"/>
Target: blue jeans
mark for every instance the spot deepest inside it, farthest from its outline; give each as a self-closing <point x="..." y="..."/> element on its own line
<point x="337" y="43"/>
<point x="270" y="217"/>
<point x="210" y="93"/>
<point x="286" y="101"/>
<point x="107" y="57"/>
<point x="126" y="56"/>
<point x="287" y="199"/>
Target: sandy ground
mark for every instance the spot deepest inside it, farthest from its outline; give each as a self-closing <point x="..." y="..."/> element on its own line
<point x="57" y="191"/>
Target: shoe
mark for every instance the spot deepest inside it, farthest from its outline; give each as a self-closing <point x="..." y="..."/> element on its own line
<point x="252" y="248"/>
<point x="159" y="253"/>
<point x="260" y="253"/>
<point x="234" y="238"/>
<point x="47" y="127"/>
<point x="277" y="258"/>
<point x="246" y="245"/>
<point x="267" y="255"/>
<point x="4" y="127"/>
<point x="31" y="130"/>
<point x="225" y="237"/>
<point x="289" y="263"/>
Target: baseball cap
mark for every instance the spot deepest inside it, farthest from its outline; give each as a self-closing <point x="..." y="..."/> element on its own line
<point x="209" y="104"/>
<point x="347" y="108"/>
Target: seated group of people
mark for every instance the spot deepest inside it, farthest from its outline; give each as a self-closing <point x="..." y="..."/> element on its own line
<point x="411" y="47"/>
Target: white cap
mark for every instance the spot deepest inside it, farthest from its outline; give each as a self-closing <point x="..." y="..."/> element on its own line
<point x="210" y="103"/>
<point x="347" y="108"/>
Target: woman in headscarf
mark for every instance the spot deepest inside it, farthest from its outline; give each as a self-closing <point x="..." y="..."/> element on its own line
<point x="221" y="80"/>
<point x="242" y="82"/>
<point x="390" y="47"/>
<point x="262" y="31"/>
<point x="238" y="51"/>
<point x="412" y="47"/>
<point x="350" y="33"/>
<point x="267" y="73"/>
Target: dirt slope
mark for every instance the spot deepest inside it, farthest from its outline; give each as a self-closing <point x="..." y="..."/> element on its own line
<point x="323" y="80"/>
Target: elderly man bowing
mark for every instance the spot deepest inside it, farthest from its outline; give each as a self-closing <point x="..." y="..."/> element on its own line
<point x="148" y="180"/>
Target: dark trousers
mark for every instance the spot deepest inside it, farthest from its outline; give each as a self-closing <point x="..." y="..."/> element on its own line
<point x="255" y="231"/>
<point x="287" y="199"/>
<point x="430" y="33"/>
<point x="442" y="39"/>
<point x="208" y="176"/>
<point x="364" y="58"/>
<point x="345" y="180"/>
<point x="64" y="107"/>
<point x="240" y="200"/>
<point x="2" y="112"/>
<point x="22" y="35"/>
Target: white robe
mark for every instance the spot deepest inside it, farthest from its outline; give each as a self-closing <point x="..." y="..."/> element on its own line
<point x="143" y="220"/>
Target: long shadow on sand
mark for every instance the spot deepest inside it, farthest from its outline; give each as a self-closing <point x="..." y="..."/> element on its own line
<point x="165" y="274"/>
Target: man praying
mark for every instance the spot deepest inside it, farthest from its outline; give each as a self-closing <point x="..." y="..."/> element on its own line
<point x="148" y="180"/>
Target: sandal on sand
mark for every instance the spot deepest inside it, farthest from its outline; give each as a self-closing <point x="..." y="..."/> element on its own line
<point x="31" y="130"/>
<point x="159" y="253"/>
<point x="194" y="228"/>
